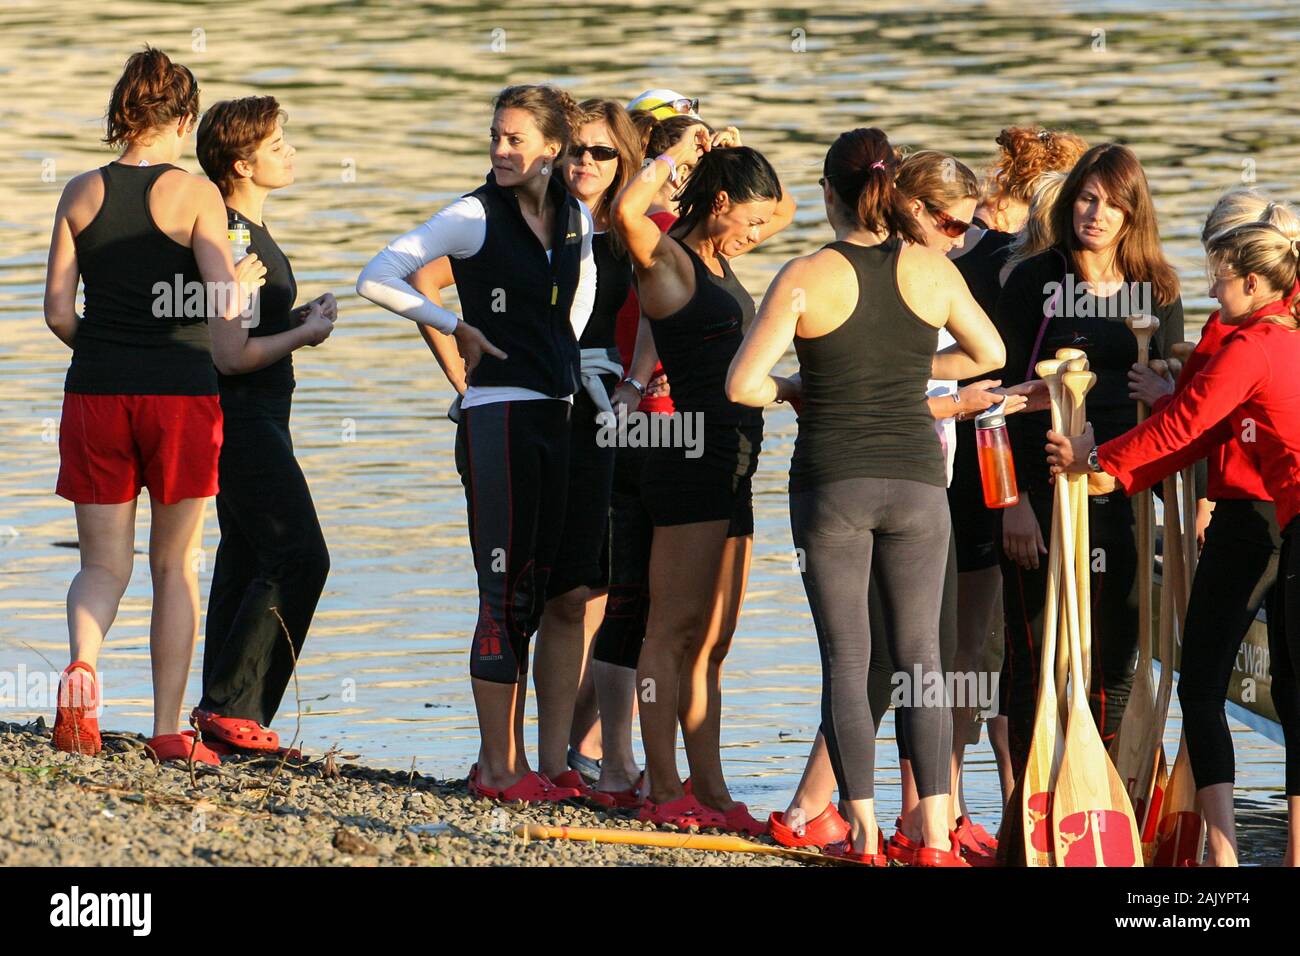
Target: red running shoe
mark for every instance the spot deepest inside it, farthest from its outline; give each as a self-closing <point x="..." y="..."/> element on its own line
<point x="572" y="780"/>
<point x="822" y="830"/>
<point x="901" y="848"/>
<point x="168" y="747"/>
<point x="532" y="787"/>
<point x="843" y="850"/>
<point x="683" y="812"/>
<point x="929" y="856"/>
<point x="76" y="728"/>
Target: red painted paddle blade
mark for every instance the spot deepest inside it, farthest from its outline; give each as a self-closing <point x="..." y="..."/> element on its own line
<point x="1178" y="842"/>
<point x="1153" y="815"/>
<point x="1040" y="807"/>
<point x="1095" y="838"/>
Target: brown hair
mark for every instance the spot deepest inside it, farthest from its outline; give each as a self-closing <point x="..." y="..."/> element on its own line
<point x="935" y="178"/>
<point x="861" y="167"/>
<point x="1268" y="247"/>
<point x="628" y="143"/>
<point x="665" y="132"/>
<point x="1138" y="253"/>
<point x="232" y="130"/>
<point x="1024" y="154"/>
<point x="554" y="111"/>
<point x="151" y="91"/>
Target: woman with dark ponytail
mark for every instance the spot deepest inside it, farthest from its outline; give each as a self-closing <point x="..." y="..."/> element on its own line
<point x="698" y="490"/>
<point x="140" y="406"/>
<point x="868" y="475"/>
<point x="520" y="253"/>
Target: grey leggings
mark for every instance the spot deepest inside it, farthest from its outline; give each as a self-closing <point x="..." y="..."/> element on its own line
<point x="840" y="528"/>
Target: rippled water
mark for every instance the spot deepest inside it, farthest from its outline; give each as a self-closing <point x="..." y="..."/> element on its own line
<point x="389" y="108"/>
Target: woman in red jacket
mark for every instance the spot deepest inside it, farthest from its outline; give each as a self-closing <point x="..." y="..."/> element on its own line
<point x="1248" y="394"/>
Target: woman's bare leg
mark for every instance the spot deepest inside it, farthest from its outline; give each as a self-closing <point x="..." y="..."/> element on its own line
<point x="1220" y="824"/>
<point x="175" y="531"/>
<point x="106" y="537"/>
<point x="584" y="737"/>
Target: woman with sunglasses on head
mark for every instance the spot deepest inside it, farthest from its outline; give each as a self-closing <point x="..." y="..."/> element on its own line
<point x="700" y="502"/>
<point x="140" y="405"/>
<point x="520" y="253"/>
<point x="1237" y="568"/>
<point x="1107" y="265"/>
<point x="272" y="561"/>
<point x="1243" y="399"/>
<point x="939" y="193"/>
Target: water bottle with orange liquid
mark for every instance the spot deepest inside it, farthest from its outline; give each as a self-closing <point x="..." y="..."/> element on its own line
<point x="997" y="470"/>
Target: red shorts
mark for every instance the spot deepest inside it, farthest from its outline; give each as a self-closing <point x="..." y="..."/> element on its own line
<point x="110" y="446"/>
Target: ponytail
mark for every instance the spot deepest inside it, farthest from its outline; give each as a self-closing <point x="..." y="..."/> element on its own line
<point x="862" y="168"/>
<point x="151" y="92"/>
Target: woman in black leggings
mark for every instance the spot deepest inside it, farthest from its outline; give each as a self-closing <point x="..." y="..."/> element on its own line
<point x="867" y="476"/>
<point x="272" y="554"/>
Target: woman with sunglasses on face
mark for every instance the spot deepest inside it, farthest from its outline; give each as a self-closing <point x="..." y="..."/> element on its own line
<point x="867" y="475"/>
<point x="1106" y="266"/>
<point x="272" y="561"/>
<point x="520" y="253"/>
<point x="1244" y="398"/>
<point x="141" y="407"/>
<point x="940" y="195"/>
<point x="700" y="501"/>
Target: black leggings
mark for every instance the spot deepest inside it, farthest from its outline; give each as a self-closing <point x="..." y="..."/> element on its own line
<point x="631" y="533"/>
<point x="1284" y="651"/>
<point x="1234" y="577"/>
<point x="272" y="555"/>
<point x="1114" y="619"/>
<point x="513" y="459"/>
<point x="901" y="528"/>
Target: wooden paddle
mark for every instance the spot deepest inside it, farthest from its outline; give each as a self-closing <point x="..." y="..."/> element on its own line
<point x="662" y="838"/>
<point x="1131" y="749"/>
<point x="1047" y="740"/>
<point x="1092" y="820"/>
<point x="1078" y="382"/>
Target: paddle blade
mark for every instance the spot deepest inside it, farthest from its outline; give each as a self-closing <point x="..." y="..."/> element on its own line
<point x="1095" y="838"/>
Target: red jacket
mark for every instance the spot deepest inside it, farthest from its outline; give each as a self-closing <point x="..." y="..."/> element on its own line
<point x="1249" y="391"/>
<point x="1231" y="469"/>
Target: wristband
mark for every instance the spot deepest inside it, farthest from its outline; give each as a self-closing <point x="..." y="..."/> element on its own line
<point x="640" y="389"/>
<point x="672" y="167"/>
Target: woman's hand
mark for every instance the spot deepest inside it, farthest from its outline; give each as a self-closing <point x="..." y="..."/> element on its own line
<point x="790" y="390"/>
<point x="693" y="144"/>
<point x="250" y="273"/>
<point x="658" y="386"/>
<point x="625" y="399"/>
<point x="726" y="137"/>
<point x="1037" y="397"/>
<point x="1022" y="539"/>
<point x="978" y="396"/>
<point x="1070" y="455"/>
<point x="329" y="306"/>
<point x="471" y="343"/>
<point x="1204" y="511"/>
<point x="1146" y="386"/>
<point x="316" y="327"/>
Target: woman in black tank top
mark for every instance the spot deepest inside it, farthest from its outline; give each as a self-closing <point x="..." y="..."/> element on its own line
<point x="272" y="554"/>
<point x="696" y="484"/>
<point x="867" y="476"/>
<point x="140" y="405"/>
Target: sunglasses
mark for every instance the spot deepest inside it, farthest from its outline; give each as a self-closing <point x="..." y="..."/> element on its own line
<point x="686" y="106"/>
<point x="602" y="154"/>
<point x="946" y="224"/>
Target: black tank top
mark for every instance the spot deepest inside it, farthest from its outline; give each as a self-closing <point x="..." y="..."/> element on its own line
<point x="697" y="343"/>
<point x="145" y="330"/>
<point x="613" y="280"/>
<point x="274" y="305"/>
<point x="864" y="409"/>
<point x="981" y="267"/>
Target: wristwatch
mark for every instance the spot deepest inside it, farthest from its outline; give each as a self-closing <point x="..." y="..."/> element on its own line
<point x="640" y="389"/>
<point x="1092" y="460"/>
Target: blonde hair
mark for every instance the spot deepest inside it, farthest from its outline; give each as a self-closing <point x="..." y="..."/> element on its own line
<point x="1037" y="234"/>
<point x="1234" y="208"/>
<point x="1269" y="247"/>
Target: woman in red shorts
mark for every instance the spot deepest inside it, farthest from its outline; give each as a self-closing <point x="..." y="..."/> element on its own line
<point x="162" y="303"/>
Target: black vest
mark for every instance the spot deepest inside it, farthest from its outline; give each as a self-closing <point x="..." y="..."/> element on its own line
<point x="521" y="302"/>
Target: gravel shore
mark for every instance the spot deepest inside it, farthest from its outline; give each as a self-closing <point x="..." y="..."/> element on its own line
<point x="120" y="808"/>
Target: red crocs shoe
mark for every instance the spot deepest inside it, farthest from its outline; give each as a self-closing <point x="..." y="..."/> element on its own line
<point x="629" y="799"/>
<point x="532" y="787"/>
<point x="293" y="755"/>
<point x="842" y="850"/>
<point x="168" y="747"/>
<point x="683" y="812"/>
<point x="76" y="728"/>
<point x="929" y="856"/>
<point x="236" y="731"/>
<point x="973" y="850"/>
<point x="822" y="830"/>
<point x="740" y="820"/>
<point x="983" y="836"/>
<point x="901" y="848"/>
<point x="573" y="780"/>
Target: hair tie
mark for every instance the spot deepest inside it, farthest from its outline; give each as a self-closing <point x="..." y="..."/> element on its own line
<point x="1044" y="135"/>
<point x="878" y="164"/>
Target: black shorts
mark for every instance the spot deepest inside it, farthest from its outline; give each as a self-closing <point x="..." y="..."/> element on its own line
<point x="583" y="558"/>
<point x="715" y="485"/>
<point x="974" y="525"/>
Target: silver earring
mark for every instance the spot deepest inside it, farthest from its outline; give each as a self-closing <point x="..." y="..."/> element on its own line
<point x="546" y="170"/>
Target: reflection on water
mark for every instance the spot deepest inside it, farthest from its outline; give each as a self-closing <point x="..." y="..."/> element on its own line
<point x="388" y="106"/>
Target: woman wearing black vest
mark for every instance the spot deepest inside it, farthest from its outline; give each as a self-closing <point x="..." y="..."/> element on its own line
<point x="867" y="477"/>
<point x="272" y="553"/>
<point x="698" y="490"/>
<point x="141" y="407"/>
<point x="520" y="251"/>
